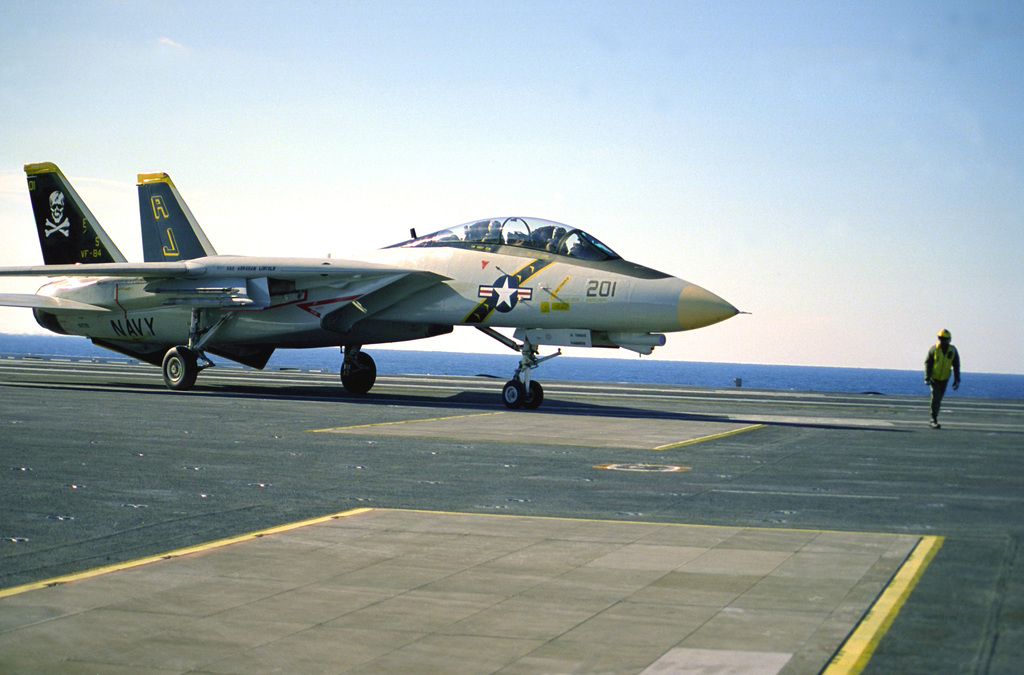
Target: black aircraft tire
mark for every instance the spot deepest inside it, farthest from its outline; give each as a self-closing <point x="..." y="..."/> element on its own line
<point x="513" y="394"/>
<point x="180" y="368"/>
<point x="534" y="397"/>
<point x="358" y="378"/>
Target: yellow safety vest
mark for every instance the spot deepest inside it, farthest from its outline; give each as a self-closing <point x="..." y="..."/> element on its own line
<point x="942" y="363"/>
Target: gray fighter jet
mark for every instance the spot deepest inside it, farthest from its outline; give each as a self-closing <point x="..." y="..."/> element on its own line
<point x="553" y="284"/>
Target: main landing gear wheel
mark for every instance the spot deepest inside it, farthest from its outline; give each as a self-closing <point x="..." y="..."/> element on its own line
<point x="182" y="363"/>
<point x="180" y="368"/>
<point x="358" y="372"/>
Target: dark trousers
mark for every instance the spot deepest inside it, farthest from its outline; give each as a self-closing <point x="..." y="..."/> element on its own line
<point x="938" y="391"/>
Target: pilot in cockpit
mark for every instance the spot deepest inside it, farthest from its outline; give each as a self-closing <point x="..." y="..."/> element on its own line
<point x="476" y="231"/>
<point x="541" y="237"/>
<point x="546" y="237"/>
<point x="556" y="236"/>
<point x="493" y="232"/>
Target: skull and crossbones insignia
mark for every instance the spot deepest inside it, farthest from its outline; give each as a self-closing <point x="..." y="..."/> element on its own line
<point x="59" y="223"/>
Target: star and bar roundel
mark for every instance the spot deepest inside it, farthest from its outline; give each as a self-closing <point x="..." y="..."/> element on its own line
<point x="505" y="293"/>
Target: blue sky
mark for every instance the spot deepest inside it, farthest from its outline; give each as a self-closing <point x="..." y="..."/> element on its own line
<point x="852" y="174"/>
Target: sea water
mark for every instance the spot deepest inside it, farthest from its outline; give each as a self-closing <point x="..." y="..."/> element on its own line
<point x="650" y="370"/>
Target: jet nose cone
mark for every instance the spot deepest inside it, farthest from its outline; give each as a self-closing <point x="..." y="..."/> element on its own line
<point x="699" y="307"/>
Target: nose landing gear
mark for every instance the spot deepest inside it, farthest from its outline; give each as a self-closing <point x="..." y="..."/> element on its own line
<point x="516" y="395"/>
<point x="521" y="391"/>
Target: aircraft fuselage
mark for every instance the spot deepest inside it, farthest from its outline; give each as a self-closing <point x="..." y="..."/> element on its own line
<point x="492" y="288"/>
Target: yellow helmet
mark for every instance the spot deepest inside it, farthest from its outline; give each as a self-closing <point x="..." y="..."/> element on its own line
<point x="945" y="334"/>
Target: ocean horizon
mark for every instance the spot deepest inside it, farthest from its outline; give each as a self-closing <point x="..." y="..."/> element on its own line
<point x="391" y="361"/>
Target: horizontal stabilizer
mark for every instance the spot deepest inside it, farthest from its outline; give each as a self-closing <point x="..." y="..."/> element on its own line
<point x="46" y="302"/>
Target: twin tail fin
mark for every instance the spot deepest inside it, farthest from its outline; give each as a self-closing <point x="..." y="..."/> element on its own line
<point x="68" y="231"/>
<point x="169" y="230"/>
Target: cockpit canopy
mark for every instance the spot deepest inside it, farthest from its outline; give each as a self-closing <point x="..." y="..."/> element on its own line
<point x="530" y="233"/>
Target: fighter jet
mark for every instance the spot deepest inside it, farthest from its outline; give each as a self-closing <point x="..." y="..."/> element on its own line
<point x="555" y="285"/>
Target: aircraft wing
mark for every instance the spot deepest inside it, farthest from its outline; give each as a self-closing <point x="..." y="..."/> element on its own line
<point x="150" y="270"/>
<point x="245" y="267"/>
<point x="46" y="302"/>
<point x="245" y="282"/>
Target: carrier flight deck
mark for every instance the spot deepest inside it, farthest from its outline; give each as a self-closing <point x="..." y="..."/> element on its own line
<point x="271" y="522"/>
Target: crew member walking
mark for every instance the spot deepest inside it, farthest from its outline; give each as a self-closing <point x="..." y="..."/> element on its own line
<point x="942" y="359"/>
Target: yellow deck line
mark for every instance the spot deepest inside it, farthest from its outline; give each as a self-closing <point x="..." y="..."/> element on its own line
<point x="15" y="590"/>
<point x="853" y="656"/>
<point x="712" y="437"/>
<point x="412" y="421"/>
